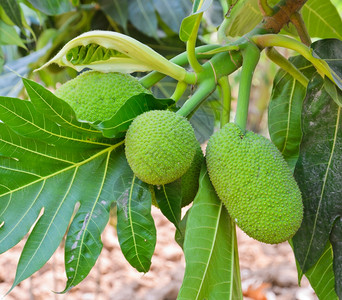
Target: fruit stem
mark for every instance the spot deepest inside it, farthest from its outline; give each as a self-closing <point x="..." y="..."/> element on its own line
<point x="191" y="45"/>
<point x="179" y="91"/>
<point x="226" y="99"/>
<point x="250" y="56"/>
<point x="286" y="65"/>
<point x="205" y="88"/>
<point x="153" y="77"/>
<point x="271" y="40"/>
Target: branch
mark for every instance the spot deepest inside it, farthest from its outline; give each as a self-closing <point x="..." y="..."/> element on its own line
<point x="282" y="14"/>
<point x="298" y="22"/>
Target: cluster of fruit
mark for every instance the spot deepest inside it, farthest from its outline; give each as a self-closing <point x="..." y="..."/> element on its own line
<point x="247" y="171"/>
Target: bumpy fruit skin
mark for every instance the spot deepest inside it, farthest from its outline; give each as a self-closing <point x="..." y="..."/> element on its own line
<point x="189" y="181"/>
<point x="97" y="96"/>
<point x="160" y="146"/>
<point x="253" y="180"/>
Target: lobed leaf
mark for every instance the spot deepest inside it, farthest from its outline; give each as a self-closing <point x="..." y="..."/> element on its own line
<point x="43" y="167"/>
<point x="209" y="248"/>
<point x="135" y="227"/>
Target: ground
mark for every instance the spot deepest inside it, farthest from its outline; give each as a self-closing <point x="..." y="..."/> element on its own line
<point x="268" y="272"/>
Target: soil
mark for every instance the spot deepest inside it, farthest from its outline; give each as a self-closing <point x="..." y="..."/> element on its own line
<point x="268" y="272"/>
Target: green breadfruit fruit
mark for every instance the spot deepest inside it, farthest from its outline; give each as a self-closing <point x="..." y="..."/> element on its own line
<point x="96" y="96"/>
<point x="253" y="180"/>
<point x="190" y="180"/>
<point x="160" y="146"/>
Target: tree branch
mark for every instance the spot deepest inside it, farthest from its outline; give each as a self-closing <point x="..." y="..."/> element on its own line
<point x="282" y="14"/>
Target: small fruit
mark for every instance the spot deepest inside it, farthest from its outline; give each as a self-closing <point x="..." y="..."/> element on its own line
<point x="160" y="146"/>
<point x="253" y="180"/>
<point x="96" y="96"/>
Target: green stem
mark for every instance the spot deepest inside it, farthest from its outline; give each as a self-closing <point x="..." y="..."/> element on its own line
<point x="271" y="40"/>
<point x="266" y="10"/>
<point x="298" y="22"/>
<point x="205" y="88"/>
<point x="181" y="59"/>
<point x="286" y="65"/>
<point x="221" y="32"/>
<point x="250" y="55"/>
<point x="179" y="91"/>
<point x="191" y="45"/>
<point x="226" y="99"/>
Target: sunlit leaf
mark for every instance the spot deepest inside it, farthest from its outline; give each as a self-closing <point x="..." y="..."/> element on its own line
<point x="136" y="229"/>
<point x="134" y="106"/>
<point x="284" y="111"/>
<point x="188" y="23"/>
<point x="209" y="248"/>
<point x="46" y="155"/>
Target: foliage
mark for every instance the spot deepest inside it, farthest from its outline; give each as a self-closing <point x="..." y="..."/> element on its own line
<point x="60" y="176"/>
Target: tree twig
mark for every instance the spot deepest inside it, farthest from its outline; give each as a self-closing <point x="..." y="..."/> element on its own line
<point x="298" y="22"/>
<point x="265" y="9"/>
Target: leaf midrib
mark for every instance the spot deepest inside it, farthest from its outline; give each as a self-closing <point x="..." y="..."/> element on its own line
<point x="75" y="165"/>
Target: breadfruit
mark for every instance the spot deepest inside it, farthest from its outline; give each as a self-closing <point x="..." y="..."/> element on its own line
<point x="96" y="96"/>
<point x="190" y="180"/>
<point x="160" y="146"/>
<point x="254" y="182"/>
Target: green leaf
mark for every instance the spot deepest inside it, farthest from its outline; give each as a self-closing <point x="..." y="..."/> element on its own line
<point x="324" y="286"/>
<point x="13" y="11"/>
<point x="45" y="158"/>
<point x="189" y="22"/>
<point x="322" y="19"/>
<point x="333" y="91"/>
<point x="142" y="15"/>
<point x="9" y="36"/>
<point x="83" y="243"/>
<point x="134" y="106"/>
<point x="169" y="199"/>
<point x="117" y="10"/>
<point x="318" y="173"/>
<point x="52" y="7"/>
<point x="180" y="234"/>
<point x="331" y="51"/>
<point x="172" y="12"/>
<point x="136" y="229"/>
<point x="336" y="243"/>
<point x="209" y="248"/>
<point x="284" y="111"/>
